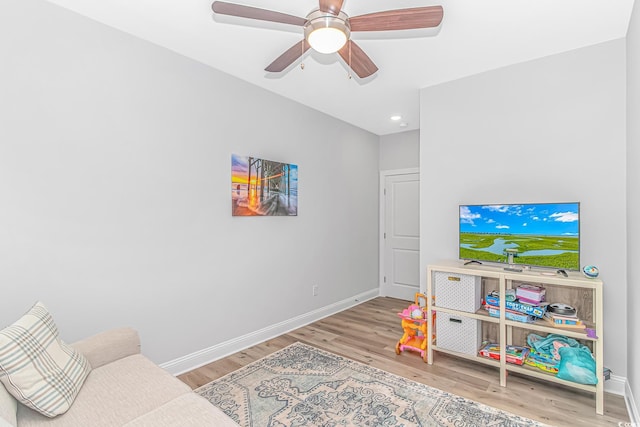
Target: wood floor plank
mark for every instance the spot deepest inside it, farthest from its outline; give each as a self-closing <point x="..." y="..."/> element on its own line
<point x="368" y="333"/>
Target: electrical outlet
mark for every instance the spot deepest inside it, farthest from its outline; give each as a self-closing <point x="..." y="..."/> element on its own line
<point x="315" y="290"/>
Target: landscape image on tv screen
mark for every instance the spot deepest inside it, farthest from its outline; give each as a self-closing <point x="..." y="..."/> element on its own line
<point x="541" y="235"/>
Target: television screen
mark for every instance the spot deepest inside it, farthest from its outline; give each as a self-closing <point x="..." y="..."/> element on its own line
<point x="535" y="234"/>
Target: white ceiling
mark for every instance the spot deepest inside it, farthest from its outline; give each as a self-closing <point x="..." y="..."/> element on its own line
<point x="474" y="36"/>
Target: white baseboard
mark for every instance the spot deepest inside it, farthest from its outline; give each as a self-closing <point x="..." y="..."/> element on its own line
<point x="616" y="385"/>
<point x="631" y="406"/>
<point x="620" y="386"/>
<point x="202" y="357"/>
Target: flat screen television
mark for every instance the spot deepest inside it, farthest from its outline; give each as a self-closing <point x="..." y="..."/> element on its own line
<point x="532" y="234"/>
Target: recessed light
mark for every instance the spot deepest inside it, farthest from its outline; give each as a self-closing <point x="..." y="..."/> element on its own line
<point x="396" y="118"/>
<point x="404" y="124"/>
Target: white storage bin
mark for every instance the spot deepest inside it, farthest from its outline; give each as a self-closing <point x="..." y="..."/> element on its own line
<point x="457" y="291"/>
<point x="458" y="333"/>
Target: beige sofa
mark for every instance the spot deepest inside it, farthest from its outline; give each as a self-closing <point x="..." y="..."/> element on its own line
<point x="124" y="388"/>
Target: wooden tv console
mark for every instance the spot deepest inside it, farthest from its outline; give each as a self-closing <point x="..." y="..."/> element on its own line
<point x="576" y="290"/>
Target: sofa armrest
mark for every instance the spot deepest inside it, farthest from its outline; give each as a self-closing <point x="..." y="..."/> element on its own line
<point x="109" y="346"/>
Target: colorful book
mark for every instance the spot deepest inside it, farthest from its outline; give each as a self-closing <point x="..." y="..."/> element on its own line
<point x="510" y="315"/>
<point x="532" y="310"/>
<point x="514" y="354"/>
<point x="541" y="361"/>
<point x="563" y="322"/>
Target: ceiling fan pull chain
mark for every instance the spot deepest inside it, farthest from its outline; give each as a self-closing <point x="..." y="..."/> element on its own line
<point x="349" y="72"/>
<point x="301" y="54"/>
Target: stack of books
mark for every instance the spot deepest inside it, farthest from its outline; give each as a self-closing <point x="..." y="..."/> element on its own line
<point x="515" y="310"/>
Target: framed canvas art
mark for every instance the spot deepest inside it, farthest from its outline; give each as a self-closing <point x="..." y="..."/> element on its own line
<point x="262" y="187"/>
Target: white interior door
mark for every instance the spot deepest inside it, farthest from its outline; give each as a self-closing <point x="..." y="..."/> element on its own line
<point x="401" y="236"/>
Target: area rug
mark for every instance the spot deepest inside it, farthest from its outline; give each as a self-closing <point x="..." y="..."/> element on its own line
<point x="302" y="385"/>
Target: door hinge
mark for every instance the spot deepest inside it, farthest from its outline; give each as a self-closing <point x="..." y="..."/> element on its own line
<point x="385" y="279"/>
<point x="384" y="235"/>
<point x="385" y="191"/>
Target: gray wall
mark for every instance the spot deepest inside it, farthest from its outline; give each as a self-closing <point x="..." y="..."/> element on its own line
<point x="400" y="150"/>
<point x="115" y="187"/>
<point x="633" y="201"/>
<point x="549" y="130"/>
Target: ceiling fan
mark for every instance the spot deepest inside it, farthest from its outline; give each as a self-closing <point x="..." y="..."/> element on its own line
<point x="328" y="29"/>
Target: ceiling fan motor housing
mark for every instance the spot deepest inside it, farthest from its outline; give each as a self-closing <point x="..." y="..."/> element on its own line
<point x="326" y="22"/>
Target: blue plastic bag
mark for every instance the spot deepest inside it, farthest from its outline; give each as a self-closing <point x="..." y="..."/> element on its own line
<point x="577" y="365"/>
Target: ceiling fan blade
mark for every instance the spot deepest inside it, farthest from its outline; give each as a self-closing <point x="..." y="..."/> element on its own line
<point x="288" y="57"/>
<point x="399" y="19"/>
<point x="355" y="58"/>
<point x="224" y="8"/>
<point x="331" y="6"/>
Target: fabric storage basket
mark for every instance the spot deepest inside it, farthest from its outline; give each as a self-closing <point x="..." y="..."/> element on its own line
<point x="458" y="333"/>
<point x="457" y="291"/>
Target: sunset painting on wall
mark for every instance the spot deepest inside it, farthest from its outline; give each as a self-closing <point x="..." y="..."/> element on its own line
<point x="263" y="187"/>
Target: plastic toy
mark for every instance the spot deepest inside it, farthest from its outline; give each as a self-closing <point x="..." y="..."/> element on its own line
<point x="414" y="324"/>
<point x="590" y="271"/>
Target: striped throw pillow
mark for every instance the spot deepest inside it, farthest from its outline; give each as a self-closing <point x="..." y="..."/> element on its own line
<point x="36" y="367"/>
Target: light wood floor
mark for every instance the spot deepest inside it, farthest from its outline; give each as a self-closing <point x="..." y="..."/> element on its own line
<point x="369" y="332"/>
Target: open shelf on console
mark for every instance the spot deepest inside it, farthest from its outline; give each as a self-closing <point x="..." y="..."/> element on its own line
<point x="537" y="373"/>
<point x="543" y="326"/>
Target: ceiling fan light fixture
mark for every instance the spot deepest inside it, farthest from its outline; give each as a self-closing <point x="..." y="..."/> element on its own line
<point x="326" y="33"/>
<point x="327" y="40"/>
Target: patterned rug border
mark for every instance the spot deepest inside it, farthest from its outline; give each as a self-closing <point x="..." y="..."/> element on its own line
<point x="375" y="373"/>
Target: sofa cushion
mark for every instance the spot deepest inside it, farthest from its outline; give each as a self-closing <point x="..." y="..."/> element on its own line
<point x="188" y="410"/>
<point x="113" y="395"/>
<point x="36" y="367"/>
<point x="8" y="408"/>
<point x="109" y="346"/>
